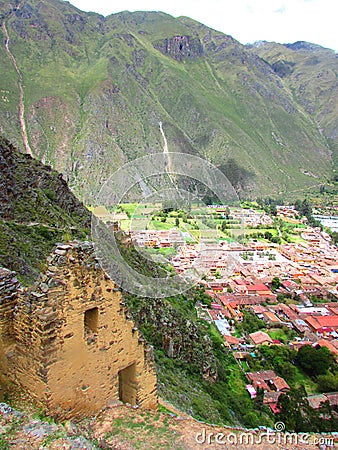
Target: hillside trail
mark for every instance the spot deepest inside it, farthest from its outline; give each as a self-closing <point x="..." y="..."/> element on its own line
<point x="21" y="93"/>
<point x="167" y="155"/>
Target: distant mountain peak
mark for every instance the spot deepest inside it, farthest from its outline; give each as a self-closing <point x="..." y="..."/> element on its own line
<point x="257" y="44"/>
<point x="305" y="46"/>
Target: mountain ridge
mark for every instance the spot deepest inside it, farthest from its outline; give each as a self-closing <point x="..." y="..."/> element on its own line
<point x="99" y="86"/>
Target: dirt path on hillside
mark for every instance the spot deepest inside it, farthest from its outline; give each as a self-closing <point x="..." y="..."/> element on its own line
<point x="21" y="95"/>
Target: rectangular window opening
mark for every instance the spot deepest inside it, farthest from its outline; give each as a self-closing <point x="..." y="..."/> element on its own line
<point x="91" y="321"/>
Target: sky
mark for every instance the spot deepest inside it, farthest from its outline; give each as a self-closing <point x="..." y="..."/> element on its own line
<point x="283" y="21"/>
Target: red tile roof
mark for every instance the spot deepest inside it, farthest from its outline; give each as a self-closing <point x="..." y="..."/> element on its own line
<point x="328" y="321"/>
<point x="258" y="287"/>
<point x="259" y="337"/>
<point x="231" y="339"/>
<point x="281" y="384"/>
<point x="327" y="344"/>
<point x="312" y="321"/>
<point x="261" y="375"/>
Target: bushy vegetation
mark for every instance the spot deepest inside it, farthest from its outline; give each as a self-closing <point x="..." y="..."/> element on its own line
<point x="38" y="210"/>
<point x="297" y="414"/>
<point x="224" y="401"/>
<point x="250" y="323"/>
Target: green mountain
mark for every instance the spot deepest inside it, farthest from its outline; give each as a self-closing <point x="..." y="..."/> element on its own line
<point x="85" y="94"/>
<point x="310" y="72"/>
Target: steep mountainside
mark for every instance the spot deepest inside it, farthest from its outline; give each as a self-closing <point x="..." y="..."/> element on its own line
<point x="311" y="72"/>
<point x="36" y="210"/>
<point x="86" y="93"/>
<point x="195" y="372"/>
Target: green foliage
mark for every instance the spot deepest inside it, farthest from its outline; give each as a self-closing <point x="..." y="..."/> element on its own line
<point x="180" y="380"/>
<point x="41" y="212"/>
<point x="276" y="283"/>
<point x="280" y="358"/>
<point x="3" y="444"/>
<point x="72" y="76"/>
<point x="250" y="323"/>
<point x="201" y="297"/>
<point x="298" y="416"/>
<point x="314" y="361"/>
<point x="327" y="382"/>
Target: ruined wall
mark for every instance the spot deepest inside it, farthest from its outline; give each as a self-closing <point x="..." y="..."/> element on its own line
<point x="76" y="344"/>
<point x="9" y="287"/>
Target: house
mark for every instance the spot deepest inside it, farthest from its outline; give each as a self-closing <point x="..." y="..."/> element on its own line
<point x="260" y="338"/>
<point x="259" y="289"/>
<point x="315" y="401"/>
<point x="271" y="318"/>
<point x="312" y="323"/>
<point x="216" y="306"/>
<point x="300" y="326"/>
<point x="269" y="381"/>
<point x="333" y="399"/>
<point x="280" y="384"/>
<point x="290" y="285"/>
<point x="241" y="356"/>
<point x="216" y="287"/>
<point x="223" y="326"/>
<point x="258" y="310"/>
<point x="328" y="344"/>
<point x="251" y="390"/>
<point x="286" y="312"/>
<point x="317" y="322"/>
<point x="271" y="399"/>
<point x="232" y="341"/>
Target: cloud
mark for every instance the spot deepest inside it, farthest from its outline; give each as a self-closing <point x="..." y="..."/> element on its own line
<point x="281" y="10"/>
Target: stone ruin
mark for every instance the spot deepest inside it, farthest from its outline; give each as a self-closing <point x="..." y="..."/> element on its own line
<point x="70" y="343"/>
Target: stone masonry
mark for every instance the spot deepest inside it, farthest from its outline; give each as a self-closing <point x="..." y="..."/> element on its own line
<point x="70" y="342"/>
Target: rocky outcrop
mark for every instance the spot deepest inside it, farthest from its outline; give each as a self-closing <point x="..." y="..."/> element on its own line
<point x="25" y="181"/>
<point x="180" y="47"/>
<point x="37" y="209"/>
<point x="179" y="336"/>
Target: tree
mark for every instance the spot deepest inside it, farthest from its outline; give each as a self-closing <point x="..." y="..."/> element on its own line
<point x="276" y="240"/>
<point x="314" y="361"/>
<point x="273" y="210"/>
<point x="177" y="222"/>
<point x="303" y="207"/>
<point x="327" y="383"/>
<point x="334" y="236"/>
<point x="280" y="358"/>
<point x="275" y="283"/>
<point x="251" y="323"/>
<point x="297" y="414"/>
<point x="268" y="235"/>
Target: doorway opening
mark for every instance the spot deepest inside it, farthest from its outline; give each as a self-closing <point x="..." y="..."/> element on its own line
<point x="128" y="385"/>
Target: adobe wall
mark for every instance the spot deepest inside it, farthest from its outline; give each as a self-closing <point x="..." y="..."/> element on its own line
<point x="74" y="368"/>
<point x="9" y="287"/>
